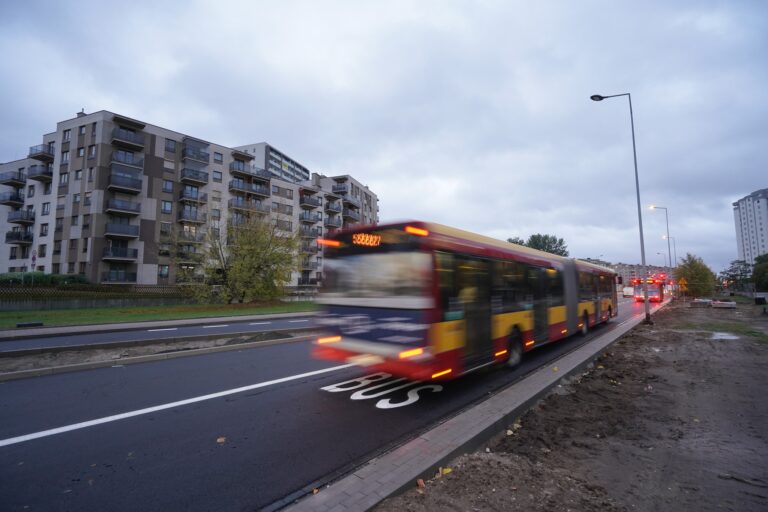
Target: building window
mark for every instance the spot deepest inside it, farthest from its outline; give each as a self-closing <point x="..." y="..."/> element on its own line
<point x="86" y="222"/>
<point x="92" y="151"/>
<point x="14" y="253"/>
<point x="75" y="198"/>
<point x="81" y="130"/>
<point x="42" y="250"/>
<point x="216" y="196"/>
<point x="31" y="191"/>
<point x="75" y="220"/>
<point x="85" y="245"/>
<point x="162" y="270"/>
<point x="217" y="176"/>
<point x="165" y="228"/>
<point x="215" y="214"/>
<point x="73" y="244"/>
<point x="167" y="186"/>
<point x="90" y="174"/>
<point x="43" y="229"/>
<point x="82" y="267"/>
<point x="47" y="189"/>
<point x="64" y="179"/>
<point x="46" y="209"/>
<point x="87" y="199"/>
<point x="218" y="157"/>
<point x="67" y="135"/>
<point x="65" y="157"/>
<point x="71" y="267"/>
<point x="93" y="129"/>
<point x="170" y="145"/>
<point x="80" y="152"/>
<point x="59" y="224"/>
<point x="167" y="207"/>
<point x="56" y="268"/>
<point x="78" y="175"/>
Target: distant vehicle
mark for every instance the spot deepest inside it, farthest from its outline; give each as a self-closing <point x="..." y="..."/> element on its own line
<point x="430" y="302"/>
<point x="655" y="289"/>
<point x="629" y="291"/>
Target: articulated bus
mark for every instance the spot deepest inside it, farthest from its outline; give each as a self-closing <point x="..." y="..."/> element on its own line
<point x="426" y="301"/>
<point x="655" y="289"/>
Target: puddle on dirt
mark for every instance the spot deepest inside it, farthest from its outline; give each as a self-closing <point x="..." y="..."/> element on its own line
<point x="724" y="336"/>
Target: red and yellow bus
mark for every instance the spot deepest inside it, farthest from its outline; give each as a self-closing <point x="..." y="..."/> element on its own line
<point x="426" y="301"/>
<point x="655" y="286"/>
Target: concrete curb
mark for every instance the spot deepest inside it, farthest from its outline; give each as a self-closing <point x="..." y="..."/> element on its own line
<point x="37" y="372"/>
<point x="139" y="343"/>
<point x="421" y="457"/>
<point x="38" y="332"/>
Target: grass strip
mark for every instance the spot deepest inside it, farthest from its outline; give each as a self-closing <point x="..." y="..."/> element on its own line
<point x="59" y="317"/>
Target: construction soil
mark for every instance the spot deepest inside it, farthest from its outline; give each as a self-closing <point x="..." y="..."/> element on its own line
<point x="673" y="418"/>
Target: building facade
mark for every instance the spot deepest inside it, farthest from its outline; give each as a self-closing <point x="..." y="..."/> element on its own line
<point x="118" y="200"/>
<point x="750" y="215"/>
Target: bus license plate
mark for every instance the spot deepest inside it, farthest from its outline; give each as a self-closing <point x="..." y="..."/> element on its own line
<point x="365" y="360"/>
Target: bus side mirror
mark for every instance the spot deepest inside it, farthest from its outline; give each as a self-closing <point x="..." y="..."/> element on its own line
<point x="619" y="280"/>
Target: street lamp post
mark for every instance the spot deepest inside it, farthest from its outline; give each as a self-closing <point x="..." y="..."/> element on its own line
<point x="666" y="215"/>
<point x="597" y="97"/>
<point x="674" y="247"/>
<point x="664" y="257"/>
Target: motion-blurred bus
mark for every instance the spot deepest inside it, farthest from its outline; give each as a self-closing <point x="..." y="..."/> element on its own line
<point x="426" y="301"/>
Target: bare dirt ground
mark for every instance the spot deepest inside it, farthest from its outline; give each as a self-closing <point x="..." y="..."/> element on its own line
<point x="673" y="418"/>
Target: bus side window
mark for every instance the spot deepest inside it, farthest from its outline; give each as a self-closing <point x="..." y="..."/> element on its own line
<point x="450" y="304"/>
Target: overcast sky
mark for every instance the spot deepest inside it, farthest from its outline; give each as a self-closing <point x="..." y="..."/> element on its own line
<point x="471" y="114"/>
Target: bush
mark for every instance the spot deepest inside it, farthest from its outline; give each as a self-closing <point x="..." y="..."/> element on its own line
<point x="40" y="279"/>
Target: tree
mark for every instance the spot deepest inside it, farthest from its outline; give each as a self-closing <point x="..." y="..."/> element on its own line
<point x="546" y="243"/>
<point x="252" y="260"/>
<point x="737" y="275"/>
<point x="760" y="273"/>
<point x="699" y="277"/>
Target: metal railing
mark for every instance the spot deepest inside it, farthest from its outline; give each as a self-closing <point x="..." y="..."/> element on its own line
<point x="22" y="216"/>
<point x="128" y="136"/>
<point x="121" y="204"/>
<point x="121" y="229"/>
<point x="120" y="252"/>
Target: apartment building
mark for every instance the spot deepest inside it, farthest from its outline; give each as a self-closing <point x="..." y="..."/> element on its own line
<point x="750" y="215"/>
<point x="122" y="201"/>
<point x="279" y="164"/>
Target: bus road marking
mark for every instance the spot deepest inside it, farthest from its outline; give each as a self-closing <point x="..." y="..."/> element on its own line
<point x="381" y="380"/>
<point x="162" y="407"/>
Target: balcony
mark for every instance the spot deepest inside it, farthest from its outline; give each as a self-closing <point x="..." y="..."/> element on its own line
<point x="121" y="230"/>
<point x="122" y="207"/>
<point x="249" y="188"/>
<point x="241" y="169"/>
<point x="340" y="189"/>
<point x="194" y="176"/>
<point x="350" y="200"/>
<point x="128" y="138"/>
<point x="310" y="202"/>
<point x="193" y="257"/>
<point x="192" y="217"/>
<point x="195" y="238"/>
<point x="120" y="254"/>
<point x="118" y="276"/>
<point x="310" y="217"/>
<point x="307" y="281"/>
<point x="19" y="237"/>
<point x="309" y="265"/>
<point x="128" y="159"/>
<point x="42" y="152"/>
<point x="244" y="204"/>
<point x="21" y="217"/>
<point x="118" y="183"/>
<point x="351" y="214"/>
<point x="333" y="222"/>
<point x="196" y="154"/>
<point x="333" y="207"/>
<point x="310" y="248"/>
<point x="11" y="199"/>
<point x="193" y="196"/>
<point x="13" y="178"/>
<point x="306" y="232"/>
<point x="42" y="173"/>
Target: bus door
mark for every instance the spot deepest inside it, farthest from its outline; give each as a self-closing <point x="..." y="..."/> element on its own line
<point x="474" y="293"/>
<point x="539" y="285"/>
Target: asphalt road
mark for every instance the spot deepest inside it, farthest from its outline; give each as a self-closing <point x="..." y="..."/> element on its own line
<point x="269" y="434"/>
<point x="218" y="326"/>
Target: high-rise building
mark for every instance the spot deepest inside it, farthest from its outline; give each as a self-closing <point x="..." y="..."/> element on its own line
<point x="276" y="162"/>
<point x="118" y="200"/>
<point x="750" y="214"/>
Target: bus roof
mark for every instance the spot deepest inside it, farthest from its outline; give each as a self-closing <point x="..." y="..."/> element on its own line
<point x="485" y="242"/>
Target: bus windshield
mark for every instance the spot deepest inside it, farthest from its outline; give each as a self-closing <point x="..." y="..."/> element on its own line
<point x="402" y="279"/>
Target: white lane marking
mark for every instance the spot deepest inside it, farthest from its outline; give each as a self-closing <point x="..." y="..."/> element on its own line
<point x="166" y="329"/>
<point x="214" y="326"/>
<point x="259" y="323"/>
<point x="131" y="414"/>
<point x="296" y="321"/>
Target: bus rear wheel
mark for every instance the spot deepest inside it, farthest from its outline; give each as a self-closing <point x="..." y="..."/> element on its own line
<point x="515" y="348"/>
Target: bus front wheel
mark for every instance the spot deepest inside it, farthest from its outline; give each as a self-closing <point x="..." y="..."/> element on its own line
<point x="515" y="349"/>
